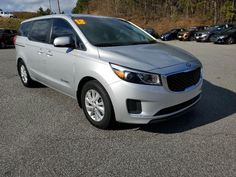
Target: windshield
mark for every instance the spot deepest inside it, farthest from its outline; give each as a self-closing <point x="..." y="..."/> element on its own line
<point x="231" y="30"/>
<point x="105" y="32"/>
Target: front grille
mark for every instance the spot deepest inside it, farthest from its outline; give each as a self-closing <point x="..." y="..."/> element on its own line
<point x="180" y="81"/>
<point x="178" y="107"/>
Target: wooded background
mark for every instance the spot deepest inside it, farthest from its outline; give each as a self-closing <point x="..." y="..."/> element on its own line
<point x="166" y="13"/>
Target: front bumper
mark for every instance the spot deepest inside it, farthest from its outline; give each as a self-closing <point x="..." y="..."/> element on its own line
<point x="157" y="102"/>
<point x="220" y="41"/>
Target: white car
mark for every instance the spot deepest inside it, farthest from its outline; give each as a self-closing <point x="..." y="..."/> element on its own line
<point x="6" y="14"/>
<point x="115" y="70"/>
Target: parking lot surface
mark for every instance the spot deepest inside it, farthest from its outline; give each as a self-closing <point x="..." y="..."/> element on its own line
<point x="44" y="133"/>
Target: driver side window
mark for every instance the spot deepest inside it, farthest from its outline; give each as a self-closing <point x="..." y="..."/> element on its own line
<point x="63" y="28"/>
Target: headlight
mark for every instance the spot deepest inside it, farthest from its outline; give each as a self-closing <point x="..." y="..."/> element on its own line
<point x="134" y="76"/>
<point x="204" y="34"/>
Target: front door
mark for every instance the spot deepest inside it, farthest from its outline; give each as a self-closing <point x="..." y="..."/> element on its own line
<point x="61" y="60"/>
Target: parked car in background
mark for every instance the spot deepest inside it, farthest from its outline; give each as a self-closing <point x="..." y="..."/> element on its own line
<point x="152" y="32"/>
<point x="208" y="34"/>
<point x="216" y="35"/>
<point x="171" y="35"/>
<point x="189" y="34"/>
<point x="228" y="37"/>
<point x="6" y="14"/>
<point x="7" y="37"/>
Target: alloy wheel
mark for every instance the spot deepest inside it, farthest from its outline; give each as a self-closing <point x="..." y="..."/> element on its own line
<point x="94" y="105"/>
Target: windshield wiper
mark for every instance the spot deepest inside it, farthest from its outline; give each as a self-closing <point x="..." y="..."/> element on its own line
<point x="142" y="42"/>
<point x="124" y="44"/>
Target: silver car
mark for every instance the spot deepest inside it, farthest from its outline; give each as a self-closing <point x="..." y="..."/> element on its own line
<point x="116" y="70"/>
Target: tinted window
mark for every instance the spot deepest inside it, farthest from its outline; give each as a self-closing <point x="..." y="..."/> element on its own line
<point x="24" y="29"/>
<point x="40" y="31"/>
<point x="63" y="28"/>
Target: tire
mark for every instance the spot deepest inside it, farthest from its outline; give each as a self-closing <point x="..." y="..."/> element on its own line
<point x="230" y="40"/>
<point x="192" y="38"/>
<point x="2" y="45"/>
<point x="99" y="112"/>
<point x="24" y="75"/>
<point x="211" y="38"/>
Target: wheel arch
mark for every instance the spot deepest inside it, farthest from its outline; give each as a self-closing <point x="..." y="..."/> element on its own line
<point x="82" y="82"/>
<point x="80" y="87"/>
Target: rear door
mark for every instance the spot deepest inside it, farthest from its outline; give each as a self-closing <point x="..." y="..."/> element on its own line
<point x="36" y="47"/>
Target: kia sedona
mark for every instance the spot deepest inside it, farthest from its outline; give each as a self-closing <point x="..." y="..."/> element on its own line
<point x="114" y="69"/>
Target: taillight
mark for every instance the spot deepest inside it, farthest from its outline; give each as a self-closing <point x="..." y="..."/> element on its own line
<point x="14" y="40"/>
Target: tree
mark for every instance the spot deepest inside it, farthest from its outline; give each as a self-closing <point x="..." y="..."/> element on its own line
<point x="44" y="12"/>
<point x="81" y="6"/>
<point x="228" y="11"/>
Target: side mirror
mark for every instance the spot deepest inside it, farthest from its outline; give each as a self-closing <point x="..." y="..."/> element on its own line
<point x="64" y="41"/>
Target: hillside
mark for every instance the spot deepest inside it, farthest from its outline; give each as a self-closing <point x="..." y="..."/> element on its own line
<point x="14" y="23"/>
<point x="11" y="23"/>
<point x="163" y="14"/>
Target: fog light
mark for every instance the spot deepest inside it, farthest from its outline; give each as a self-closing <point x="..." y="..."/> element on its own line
<point x="134" y="106"/>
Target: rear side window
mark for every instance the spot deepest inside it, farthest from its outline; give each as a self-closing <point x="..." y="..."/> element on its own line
<point x="24" y="29"/>
<point x="40" y="31"/>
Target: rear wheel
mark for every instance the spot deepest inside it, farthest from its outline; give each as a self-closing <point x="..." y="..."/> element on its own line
<point x="96" y="105"/>
<point x="24" y="75"/>
<point x="230" y="40"/>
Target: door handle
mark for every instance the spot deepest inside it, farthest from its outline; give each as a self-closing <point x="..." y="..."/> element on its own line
<point x="49" y="53"/>
<point x="40" y="51"/>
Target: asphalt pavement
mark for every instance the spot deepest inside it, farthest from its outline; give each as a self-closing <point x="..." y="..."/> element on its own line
<point x="44" y="133"/>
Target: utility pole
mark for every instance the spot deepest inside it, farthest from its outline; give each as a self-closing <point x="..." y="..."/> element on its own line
<point x="50" y="6"/>
<point x="59" y="9"/>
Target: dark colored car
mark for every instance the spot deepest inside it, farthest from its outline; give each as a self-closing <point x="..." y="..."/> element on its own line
<point x="152" y="32"/>
<point x="7" y="37"/>
<point x="189" y="34"/>
<point x="171" y="35"/>
<point x="228" y="37"/>
<point x="208" y="34"/>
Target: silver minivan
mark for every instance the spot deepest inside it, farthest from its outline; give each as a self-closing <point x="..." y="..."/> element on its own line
<point x="116" y="70"/>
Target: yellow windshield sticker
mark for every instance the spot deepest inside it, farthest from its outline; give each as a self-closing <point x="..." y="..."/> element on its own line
<point x="80" y="21"/>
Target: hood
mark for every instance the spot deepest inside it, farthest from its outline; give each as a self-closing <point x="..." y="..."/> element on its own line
<point x="145" y="57"/>
<point x="204" y="32"/>
<point x="166" y="33"/>
<point x="182" y="32"/>
<point x="225" y="34"/>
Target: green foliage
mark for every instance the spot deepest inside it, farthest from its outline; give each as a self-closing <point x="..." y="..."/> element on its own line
<point x="80" y="7"/>
<point x="25" y="15"/>
<point x="41" y="12"/>
<point x="228" y="11"/>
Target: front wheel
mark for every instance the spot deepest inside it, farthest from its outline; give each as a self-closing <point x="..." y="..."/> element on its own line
<point x="97" y="105"/>
<point x="230" y="40"/>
